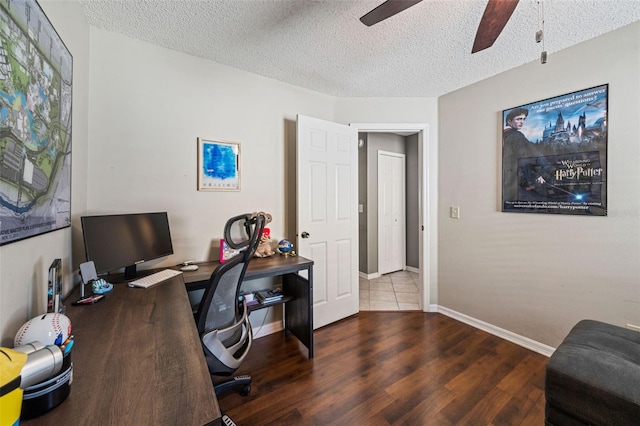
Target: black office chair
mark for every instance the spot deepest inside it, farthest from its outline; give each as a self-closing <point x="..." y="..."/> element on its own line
<point x="222" y="317"/>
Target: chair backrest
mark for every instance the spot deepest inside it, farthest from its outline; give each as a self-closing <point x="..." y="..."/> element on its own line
<point x="220" y="306"/>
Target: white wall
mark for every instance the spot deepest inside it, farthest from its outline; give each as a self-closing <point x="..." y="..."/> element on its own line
<point x="532" y="274"/>
<point x="148" y="107"/>
<point x="24" y="265"/>
<point x="146" y="116"/>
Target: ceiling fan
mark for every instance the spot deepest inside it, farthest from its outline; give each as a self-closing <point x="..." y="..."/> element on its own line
<point x="495" y="17"/>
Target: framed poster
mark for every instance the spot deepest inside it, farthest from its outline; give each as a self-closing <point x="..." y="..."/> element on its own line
<point x="218" y="165"/>
<point x="35" y="123"/>
<point x="554" y="155"/>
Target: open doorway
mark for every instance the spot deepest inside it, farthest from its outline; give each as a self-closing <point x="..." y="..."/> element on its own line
<point x="411" y="141"/>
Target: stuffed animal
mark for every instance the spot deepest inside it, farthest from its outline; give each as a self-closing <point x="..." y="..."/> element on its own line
<point x="264" y="247"/>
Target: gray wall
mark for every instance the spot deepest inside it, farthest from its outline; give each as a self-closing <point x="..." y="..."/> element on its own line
<point x="534" y="274"/>
<point x="376" y="142"/>
<point x="363" y="240"/>
<point x="413" y="223"/>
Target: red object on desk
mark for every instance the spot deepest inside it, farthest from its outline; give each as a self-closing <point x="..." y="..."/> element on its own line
<point x="227" y="252"/>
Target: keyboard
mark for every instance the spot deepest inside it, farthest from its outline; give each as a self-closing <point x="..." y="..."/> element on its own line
<point x="155" y="278"/>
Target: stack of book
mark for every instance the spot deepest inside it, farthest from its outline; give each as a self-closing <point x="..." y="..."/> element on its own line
<point x="268" y="296"/>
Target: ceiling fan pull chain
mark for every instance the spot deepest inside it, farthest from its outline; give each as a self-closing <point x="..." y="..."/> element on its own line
<point x="540" y="33"/>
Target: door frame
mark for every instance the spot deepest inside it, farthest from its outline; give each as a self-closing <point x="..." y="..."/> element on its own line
<point x="427" y="202"/>
<point x="402" y="157"/>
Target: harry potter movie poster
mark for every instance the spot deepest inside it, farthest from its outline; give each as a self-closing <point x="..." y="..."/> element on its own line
<point x="554" y="155"/>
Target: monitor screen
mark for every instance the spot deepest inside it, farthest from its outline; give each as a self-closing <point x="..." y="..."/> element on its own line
<point x="120" y="241"/>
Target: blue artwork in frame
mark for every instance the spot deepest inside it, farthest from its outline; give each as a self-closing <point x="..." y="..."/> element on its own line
<point x="218" y="165"/>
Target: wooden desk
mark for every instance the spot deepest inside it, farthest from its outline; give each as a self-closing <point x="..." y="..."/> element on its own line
<point x="137" y="359"/>
<point x="298" y="307"/>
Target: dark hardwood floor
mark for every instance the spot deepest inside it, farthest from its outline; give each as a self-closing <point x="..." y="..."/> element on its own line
<point x="381" y="368"/>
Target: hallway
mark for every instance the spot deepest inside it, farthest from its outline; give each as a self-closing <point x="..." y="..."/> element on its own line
<point x="396" y="291"/>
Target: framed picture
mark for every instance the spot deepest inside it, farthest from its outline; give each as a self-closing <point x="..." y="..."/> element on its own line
<point x="35" y="117"/>
<point x="554" y="155"/>
<point x="218" y="165"/>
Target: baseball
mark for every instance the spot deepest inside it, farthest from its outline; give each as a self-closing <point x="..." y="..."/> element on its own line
<point x="48" y="329"/>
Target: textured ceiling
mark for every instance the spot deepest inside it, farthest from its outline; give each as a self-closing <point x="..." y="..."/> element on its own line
<point x="322" y="46"/>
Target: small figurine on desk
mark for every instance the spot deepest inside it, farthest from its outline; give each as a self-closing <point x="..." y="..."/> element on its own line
<point x="100" y="286"/>
<point x="286" y="248"/>
<point x="264" y="247"/>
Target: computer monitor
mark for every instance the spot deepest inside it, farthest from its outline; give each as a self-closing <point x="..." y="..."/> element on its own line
<point x="120" y="241"/>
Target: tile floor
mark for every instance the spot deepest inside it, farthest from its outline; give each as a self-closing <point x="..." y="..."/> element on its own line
<point x="396" y="291"/>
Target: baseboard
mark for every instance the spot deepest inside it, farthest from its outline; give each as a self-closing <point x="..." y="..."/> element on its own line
<point x="510" y="336"/>
<point x="432" y="308"/>
<point x="368" y="276"/>
<point x="412" y="269"/>
<point x="377" y="275"/>
<point x="519" y="340"/>
<point x="266" y="329"/>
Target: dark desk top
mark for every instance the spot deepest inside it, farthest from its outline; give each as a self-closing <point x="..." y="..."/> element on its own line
<point x="259" y="267"/>
<point x="137" y="359"/>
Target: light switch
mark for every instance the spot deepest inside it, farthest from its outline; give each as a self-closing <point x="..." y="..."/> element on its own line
<point x="454" y="211"/>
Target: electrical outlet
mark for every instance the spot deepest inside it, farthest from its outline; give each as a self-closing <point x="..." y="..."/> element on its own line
<point x="454" y="212"/>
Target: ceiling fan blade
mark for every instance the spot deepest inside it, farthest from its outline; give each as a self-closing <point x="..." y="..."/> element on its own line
<point x="493" y="21"/>
<point x="386" y="10"/>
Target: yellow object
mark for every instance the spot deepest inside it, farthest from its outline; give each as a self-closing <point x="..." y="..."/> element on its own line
<point x="11" y="363"/>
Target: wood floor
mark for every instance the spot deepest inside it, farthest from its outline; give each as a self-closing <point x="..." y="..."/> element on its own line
<point x="391" y="368"/>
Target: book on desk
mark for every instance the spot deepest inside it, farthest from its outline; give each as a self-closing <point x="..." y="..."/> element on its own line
<point x="268" y="296"/>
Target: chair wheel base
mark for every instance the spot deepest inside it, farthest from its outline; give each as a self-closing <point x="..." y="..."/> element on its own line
<point x="246" y="390"/>
<point x="226" y="421"/>
<point x="243" y="381"/>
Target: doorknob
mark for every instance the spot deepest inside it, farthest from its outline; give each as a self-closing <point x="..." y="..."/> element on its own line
<point x="305" y="234"/>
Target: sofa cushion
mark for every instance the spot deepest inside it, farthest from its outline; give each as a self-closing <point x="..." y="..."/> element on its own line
<point x="594" y="375"/>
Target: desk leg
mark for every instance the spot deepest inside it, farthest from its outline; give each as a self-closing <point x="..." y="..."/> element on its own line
<point x="298" y="313"/>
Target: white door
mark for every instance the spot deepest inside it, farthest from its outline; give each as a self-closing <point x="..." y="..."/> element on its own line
<point x="327" y="215"/>
<point x="391" y="212"/>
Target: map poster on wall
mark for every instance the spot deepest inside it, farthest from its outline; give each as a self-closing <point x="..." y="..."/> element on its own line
<point x="554" y="155"/>
<point x="35" y="123"/>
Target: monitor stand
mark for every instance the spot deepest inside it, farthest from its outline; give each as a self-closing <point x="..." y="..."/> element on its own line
<point x="130" y="272"/>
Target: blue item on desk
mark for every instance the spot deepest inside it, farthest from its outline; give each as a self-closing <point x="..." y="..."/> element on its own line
<point x="284" y="246"/>
<point x="100" y="286"/>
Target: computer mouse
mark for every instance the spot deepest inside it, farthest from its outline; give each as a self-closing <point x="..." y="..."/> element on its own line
<point x="189" y="268"/>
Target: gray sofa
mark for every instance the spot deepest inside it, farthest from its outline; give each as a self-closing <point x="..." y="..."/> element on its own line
<point x="593" y="377"/>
